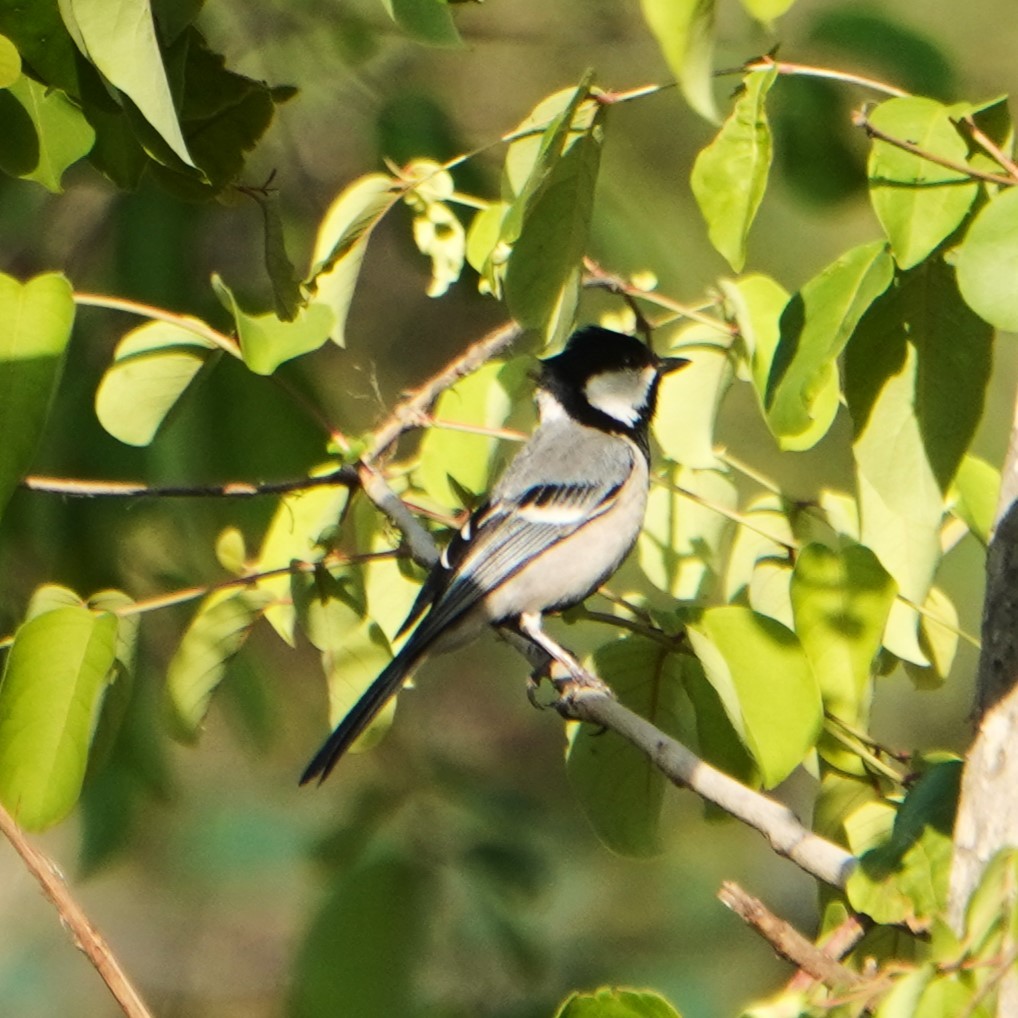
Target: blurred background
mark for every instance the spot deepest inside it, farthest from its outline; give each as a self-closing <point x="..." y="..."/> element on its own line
<point x="451" y="866"/>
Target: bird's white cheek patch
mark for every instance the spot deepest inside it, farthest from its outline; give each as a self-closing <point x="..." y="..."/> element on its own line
<point x="620" y="394"/>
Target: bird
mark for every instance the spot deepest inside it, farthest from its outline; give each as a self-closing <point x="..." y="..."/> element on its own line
<point x="555" y="526"/>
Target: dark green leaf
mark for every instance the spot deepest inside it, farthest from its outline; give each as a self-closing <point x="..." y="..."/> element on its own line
<point x="282" y="274"/>
<point x="620" y="789"/>
<point x="377" y="912"/>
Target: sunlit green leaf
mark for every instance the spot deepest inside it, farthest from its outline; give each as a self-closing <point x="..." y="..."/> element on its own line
<point x="37" y="318"/>
<point x="215" y="634"/>
<point x="918" y="202"/>
<point x="120" y="39"/>
<point x="802" y="388"/>
<point x="54" y="678"/>
<point x="266" y="341"/>
<point x="917" y="370"/>
<point x="616" y="1003"/>
<point x="938" y="641"/>
<point x="300" y="529"/>
<point x="689" y="399"/>
<point x="342" y="243"/>
<point x="152" y="367"/>
<point x="44" y="133"/>
<point x="755" y="302"/>
<point x="730" y="175"/>
<point x="977" y="490"/>
<point x="987" y="262"/>
<point x="765" y="682"/>
<point x="553" y="178"/>
<point x="680" y="548"/>
<point x="10" y="62"/>
<point x="841" y="600"/>
<point x="620" y="789"/>
<point x="684" y="29"/>
<point x="905" y="880"/>
<point x="767" y="10"/>
<point x="483" y="399"/>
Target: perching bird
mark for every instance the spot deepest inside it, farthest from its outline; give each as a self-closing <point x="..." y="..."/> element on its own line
<point x="558" y="523"/>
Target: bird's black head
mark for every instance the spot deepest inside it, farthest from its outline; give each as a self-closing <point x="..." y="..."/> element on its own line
<point x="606" y="380"/>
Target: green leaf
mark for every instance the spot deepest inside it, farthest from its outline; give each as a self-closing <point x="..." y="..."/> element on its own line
<point x="548" y="222"/>
<point x="53" y="682"/>
<point x="987" y="262"/>
<point x="841" y="600"/>
<point x="919" y="203"/>
<point x="347" y="953"/>
<point x="619" y="788"/>
<point x="427" y="21"/>
<point x="266" y="341"/>
<point x="767" y="10"/>
<point x="152" y="367"/>
<point x="215" y="634"/>
<point x="905" y="880"/>
<point x="119" y="37"/>
<point x="616" y="1003"/>
<point x="976" y="491"/>
<point x="915" y="379"/>
<point x="681" y="546"/>
<point x="451" y="458"/>
<point x="755" y="302"/>
<point x="765" y="682"/>
<point x="37" y="318"/>
<point x="282" y="274"/>
<point x="438" y="233"/>
<point x="903" y="1000"/>
<point x="938" y="641"/>
<point x="730" y="175"/>
<point x="44" y="133"/>
<point x="689" y="400"/>
<point x="342" y="242"/>
<point x="802" y="388"/>
<point x="10" y="62"/>
<point x="299" y="530"/>
<point x="684" y="29"/>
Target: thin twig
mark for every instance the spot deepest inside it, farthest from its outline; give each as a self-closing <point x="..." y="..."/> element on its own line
<point x="836" y="944"/>
<point x="989" y="145"/>
<point x="412" y="410"/>
<point x="185" y="322"/>
<point x="860" y="118"/>
<point x="86" y="937"/>
<point x="785" y="67"/>
<point x="75" y="488"/>
<point x="786" y="940"/>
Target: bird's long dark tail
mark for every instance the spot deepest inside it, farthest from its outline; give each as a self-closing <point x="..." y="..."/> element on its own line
<point x="375" y="697"/>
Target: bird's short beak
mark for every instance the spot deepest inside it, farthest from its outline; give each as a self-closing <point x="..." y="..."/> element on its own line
<point x="666" y="365"/>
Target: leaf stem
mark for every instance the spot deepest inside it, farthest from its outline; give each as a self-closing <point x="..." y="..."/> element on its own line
<point x="784" y="67"/>
<point x="186" y="322"/>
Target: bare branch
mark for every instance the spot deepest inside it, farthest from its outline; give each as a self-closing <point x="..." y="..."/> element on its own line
<point x="86" y="937"/>
<point x="777" y="823"/>
<point x="785" y="67"/>
<point x="787" y="941"/>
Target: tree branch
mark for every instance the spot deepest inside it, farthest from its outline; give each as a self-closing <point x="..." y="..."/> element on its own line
<point x="86" y="937"/>
<point x="787" y="941"/>
<point x="777" y="823"/>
